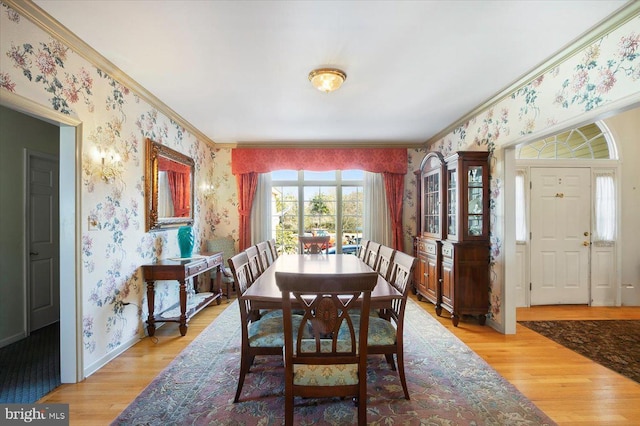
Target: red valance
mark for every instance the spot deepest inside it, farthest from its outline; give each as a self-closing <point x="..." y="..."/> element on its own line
<point x="264" y="160"/>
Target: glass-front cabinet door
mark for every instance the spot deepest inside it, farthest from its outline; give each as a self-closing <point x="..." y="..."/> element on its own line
<point x="431" y="195"/>
<point x="475" y="200"/>
<point x="452" y="202"/>
<point x="467" y="175"/>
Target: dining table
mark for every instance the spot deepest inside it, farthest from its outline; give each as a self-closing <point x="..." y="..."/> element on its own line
<point x="265" y="294"/>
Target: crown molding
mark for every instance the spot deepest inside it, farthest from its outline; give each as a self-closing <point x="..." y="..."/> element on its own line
<point x="47" y="23"/>
<point x="614" y="21"/>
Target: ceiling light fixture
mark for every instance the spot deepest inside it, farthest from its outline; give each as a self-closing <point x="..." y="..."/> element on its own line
<point x="327" y="79"/>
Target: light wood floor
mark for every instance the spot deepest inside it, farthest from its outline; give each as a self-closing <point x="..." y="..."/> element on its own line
<point x="568" y="387"/>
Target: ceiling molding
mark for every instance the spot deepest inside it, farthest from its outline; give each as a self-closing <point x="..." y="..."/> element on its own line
<point x="607" y="25"/>
<point x="47" y="23"/>
<point x="322" y="144"/>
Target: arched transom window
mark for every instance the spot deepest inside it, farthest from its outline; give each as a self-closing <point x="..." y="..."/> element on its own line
<point x="589" y="142"/>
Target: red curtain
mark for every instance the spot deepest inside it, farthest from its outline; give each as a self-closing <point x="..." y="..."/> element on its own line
<point x="394" y="188"/>
<point x="246" y="163"/>
<point x="179" y="185"/>
<point x="264" y="160"/>
<point x="247" y="184"/>
<point x="180" y="195"/>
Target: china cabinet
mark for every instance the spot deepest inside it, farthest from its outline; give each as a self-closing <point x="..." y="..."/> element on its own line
<point x="452" y="244"/>
<point x="464" y="282"/>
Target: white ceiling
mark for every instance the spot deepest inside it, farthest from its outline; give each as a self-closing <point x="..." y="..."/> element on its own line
<point x="237" y="70"/>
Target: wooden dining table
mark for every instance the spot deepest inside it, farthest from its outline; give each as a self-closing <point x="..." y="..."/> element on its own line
<point x="265" y="294"/>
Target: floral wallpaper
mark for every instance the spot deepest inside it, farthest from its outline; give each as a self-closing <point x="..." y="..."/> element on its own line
<point x="606" y="71"/>
<point x="115" y="120"/>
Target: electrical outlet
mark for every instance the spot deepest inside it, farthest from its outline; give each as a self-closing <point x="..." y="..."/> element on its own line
<point x="93" y="223"/>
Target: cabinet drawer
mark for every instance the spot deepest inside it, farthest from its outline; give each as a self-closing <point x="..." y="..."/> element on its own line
<point x="214" y="260"/>
<point x="447" y="251"/>
<point x="197" y="268"/>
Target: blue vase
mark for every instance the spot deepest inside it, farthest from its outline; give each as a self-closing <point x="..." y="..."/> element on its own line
<point x="185" y="241"/>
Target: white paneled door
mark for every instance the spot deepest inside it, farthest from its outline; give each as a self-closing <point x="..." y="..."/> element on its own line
<point x="560" y="235"/>
<point x="44" y="241"/>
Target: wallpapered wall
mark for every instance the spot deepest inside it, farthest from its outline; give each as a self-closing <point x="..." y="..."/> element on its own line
<point x="41" y="69"/>
<point x="604" y="72"/>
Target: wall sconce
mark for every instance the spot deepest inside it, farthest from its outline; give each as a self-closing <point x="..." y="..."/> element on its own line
<point x="109" y="168"/>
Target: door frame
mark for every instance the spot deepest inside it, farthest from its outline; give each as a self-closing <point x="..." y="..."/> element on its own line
<point x="70" y="155"/>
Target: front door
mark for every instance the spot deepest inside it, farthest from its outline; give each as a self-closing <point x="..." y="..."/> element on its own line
<point x="43" y="244"/>
<point x="560" y="230"/>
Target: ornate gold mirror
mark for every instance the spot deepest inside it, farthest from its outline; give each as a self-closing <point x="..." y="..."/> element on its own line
<point x="168" y="187"/>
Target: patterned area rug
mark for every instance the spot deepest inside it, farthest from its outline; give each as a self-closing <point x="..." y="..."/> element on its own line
<point x="614" y="344"/>
<point x="449" y="385"/>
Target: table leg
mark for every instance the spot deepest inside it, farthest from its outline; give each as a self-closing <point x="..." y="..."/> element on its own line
<point x="183" y="308"/>
<point x="151" y="321"/>
<point x="218" y="286"/>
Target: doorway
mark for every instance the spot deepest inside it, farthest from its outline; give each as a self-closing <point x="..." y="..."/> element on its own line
<point x="71" y="366"/>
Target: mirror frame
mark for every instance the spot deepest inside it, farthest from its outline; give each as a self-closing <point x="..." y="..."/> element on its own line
<point x="153" y="222"/>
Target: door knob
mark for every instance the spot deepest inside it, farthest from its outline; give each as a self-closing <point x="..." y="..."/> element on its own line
<point x="585" y="243"/>
<point x="586" y="234"/>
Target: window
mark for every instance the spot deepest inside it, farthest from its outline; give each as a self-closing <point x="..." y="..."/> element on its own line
<point x="605" y="208"/>
<point x="586" y="142"/>
<point x="317" y="203"/>
<point x="521" y="216"/>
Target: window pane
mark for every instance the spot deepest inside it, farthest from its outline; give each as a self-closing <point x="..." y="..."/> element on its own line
<point x="352" y="209"/>
<point x="311" y="176"/>
<point x="285" y="217"/>
<point x="353" y="175"/>
<point x="521" y="222"/>
<point x="320" y="210"/>
<point x="605" y="208"/>
<point x="284" y="175"/>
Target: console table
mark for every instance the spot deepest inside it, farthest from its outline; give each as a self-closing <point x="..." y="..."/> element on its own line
<point x="181" y="270"/>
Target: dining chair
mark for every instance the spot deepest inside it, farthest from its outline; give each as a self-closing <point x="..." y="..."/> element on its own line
<point x="255" y="264"/>
<point x="264" y="251"/>
<point x="228" y="249"/>
<point x="362" y="251"/>
<point x="386" y="331"/>
<point x="260" y="336"/>
<point x="274" y="248"/>
<point x="328" y="363"/>
<point x="385" y="259"/>
<point x="314" y="244"/>
<point x="371" y="257"/>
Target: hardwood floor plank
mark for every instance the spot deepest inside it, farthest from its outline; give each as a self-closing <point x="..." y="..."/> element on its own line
<point x="568" y="387"/>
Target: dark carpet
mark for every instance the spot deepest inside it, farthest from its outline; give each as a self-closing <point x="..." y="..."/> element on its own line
<point x="30" y="368"/>
<point x="614" y="344"/>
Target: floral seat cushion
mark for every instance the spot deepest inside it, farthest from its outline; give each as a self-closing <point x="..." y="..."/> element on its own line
<point x="325" y="375"/>
<point x="268" y="331"/>
<point x="381" y="332"/>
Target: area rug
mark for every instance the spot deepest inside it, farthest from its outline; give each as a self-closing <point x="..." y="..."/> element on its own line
<point x="449" y="385"/>
<point x="614" y="344"/>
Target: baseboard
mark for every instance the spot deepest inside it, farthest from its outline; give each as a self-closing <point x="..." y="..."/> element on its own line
<point x="89" y="370"/>
<point x="496" y="326"/>
<point x="12" y="339"/>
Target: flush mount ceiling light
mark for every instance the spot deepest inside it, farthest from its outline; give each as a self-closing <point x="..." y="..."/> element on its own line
<point x="327" y="79"/>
